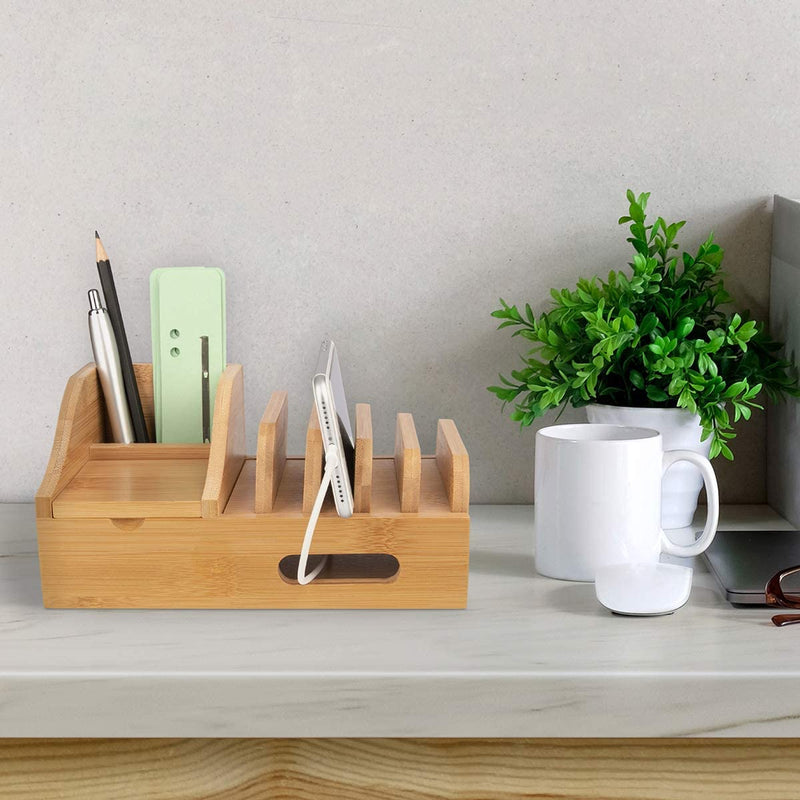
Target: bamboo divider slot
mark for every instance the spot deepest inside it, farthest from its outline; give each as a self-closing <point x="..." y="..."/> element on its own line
<point x="453" y="462"/>
<point x="271" y="451"/>
<point x="407" y="463"/>
<point x="312" y="471"/>
<point x="362" y="490"/>
<point x="227" y="452"/>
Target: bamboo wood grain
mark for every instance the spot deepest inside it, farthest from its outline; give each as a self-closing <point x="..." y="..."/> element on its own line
<point x="134" y="488"/>
<point x="227" y="452"/>
<point x="232" y="561"/>
<point x="453" y="461"/>
<point x="114" y="452"/>
<point x="362" y="491"/>
<point x="80" y="424"/>
<point x="313" y="462"/>
<point x="433" y="500"/>
<point x="407" y="462"/>
<point x="399" y="769"/>
<point x="129" y="529"/>
<point x="144" y="382"/>
<point x="271" y="451"/>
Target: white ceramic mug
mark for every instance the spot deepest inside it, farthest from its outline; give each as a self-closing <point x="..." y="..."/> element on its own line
<point x="598" y="499"/>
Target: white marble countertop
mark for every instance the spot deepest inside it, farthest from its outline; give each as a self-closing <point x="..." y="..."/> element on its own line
<point x="529" y="657"/>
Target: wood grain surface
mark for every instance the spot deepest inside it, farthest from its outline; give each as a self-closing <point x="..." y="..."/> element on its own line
<point x="228" y="446"/>
<point x="362" y="488"/>
<point x="125" y="531"/>
<point x="312" y="474"/>
<point x="399" y="769"/>
<point x="271" y="450"/>
<point x="79" y="425"/>
<point x="134" y="488"/>
<point x="453" y="461"/>
<point x="407" y="457"/>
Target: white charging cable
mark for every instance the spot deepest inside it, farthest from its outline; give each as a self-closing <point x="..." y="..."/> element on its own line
<point x="331" y="462"/>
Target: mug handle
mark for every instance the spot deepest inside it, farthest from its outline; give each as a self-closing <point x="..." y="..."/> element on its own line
<point x="712" y="496"/>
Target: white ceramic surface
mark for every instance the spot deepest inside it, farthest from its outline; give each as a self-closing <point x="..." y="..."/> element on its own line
<point x="598" y="499"/>
<point x="529" y="657"/>
<point x="643" y="590"/>
<point x="681" y="430"/>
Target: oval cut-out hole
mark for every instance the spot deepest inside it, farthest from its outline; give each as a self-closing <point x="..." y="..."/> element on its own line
<point x="345" y="568"/>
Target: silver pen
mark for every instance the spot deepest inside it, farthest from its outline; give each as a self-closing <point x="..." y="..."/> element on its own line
<point x="109" y="370"/>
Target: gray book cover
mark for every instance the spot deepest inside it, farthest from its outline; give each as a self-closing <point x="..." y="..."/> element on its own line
<point x="783" y="418"/>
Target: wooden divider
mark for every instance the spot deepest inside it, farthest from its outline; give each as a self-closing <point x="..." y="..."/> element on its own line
<point x="312" y="470"/>
<point x="271" y="451"/>
<point x="227" y="454"/>
<point x="362" y="491"/>
<point x="453" y="462"/>
<point x="80" y="424"/>
<point x="407" y="463"/>
<point x="144" y="381"/>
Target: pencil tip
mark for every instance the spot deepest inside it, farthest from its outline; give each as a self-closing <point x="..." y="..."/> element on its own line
<point x="96" y="235"/>
<point x="99" y="249"/>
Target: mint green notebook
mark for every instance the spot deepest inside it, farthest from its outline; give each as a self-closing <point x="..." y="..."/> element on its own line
<point x="187" y="322"/>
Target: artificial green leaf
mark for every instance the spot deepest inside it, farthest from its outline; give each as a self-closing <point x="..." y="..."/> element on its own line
<point x="684" y="327"/>
<point x="657" y="395"/>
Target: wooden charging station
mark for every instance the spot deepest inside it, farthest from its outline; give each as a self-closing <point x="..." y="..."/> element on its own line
<point x="206" y="526"/>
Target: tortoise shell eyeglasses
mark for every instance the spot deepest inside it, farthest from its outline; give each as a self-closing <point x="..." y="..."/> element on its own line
<point x="777" y="597"/>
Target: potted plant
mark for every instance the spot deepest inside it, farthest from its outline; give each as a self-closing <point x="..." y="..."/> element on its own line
<point x="652" y="347"/>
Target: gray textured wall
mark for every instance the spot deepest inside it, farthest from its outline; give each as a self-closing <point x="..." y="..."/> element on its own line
<point x="429" y="156"/>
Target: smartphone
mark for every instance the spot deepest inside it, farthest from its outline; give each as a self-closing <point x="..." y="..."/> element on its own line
<point x="334" y="422"/>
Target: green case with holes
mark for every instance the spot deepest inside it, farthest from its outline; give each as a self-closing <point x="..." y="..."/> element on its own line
<point x="186" y="304"/>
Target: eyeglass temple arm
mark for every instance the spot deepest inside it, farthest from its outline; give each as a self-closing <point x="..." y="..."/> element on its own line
<point x="785" y="619"/>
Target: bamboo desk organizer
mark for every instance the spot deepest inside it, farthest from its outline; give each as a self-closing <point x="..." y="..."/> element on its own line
<point x="205" y="526"/>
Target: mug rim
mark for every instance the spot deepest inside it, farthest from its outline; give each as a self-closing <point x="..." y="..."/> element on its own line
<point x="603" y="433"/>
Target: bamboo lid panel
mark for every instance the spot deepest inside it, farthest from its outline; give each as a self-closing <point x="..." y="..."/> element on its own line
<point x="271" y="451"/>
<point x="136" y="488"/>
<point x="407" y="462"/>
<point x="362" y="490"/>
<point x="227" y="453"/>
<point x="312" y="474"/>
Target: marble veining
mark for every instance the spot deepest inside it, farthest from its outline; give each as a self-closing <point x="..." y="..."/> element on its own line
<point x="529" y="657"/>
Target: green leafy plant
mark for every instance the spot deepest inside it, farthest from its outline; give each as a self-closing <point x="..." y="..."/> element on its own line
<point x="654" y="337"/>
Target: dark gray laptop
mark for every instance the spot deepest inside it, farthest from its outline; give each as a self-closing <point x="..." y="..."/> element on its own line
<point x="743" y="562"/>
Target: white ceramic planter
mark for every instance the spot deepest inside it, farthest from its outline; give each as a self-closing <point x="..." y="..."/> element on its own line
<point x="680" y="430"/>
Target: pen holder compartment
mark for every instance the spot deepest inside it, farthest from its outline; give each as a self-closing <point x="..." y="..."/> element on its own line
<point x="205" y="526"/>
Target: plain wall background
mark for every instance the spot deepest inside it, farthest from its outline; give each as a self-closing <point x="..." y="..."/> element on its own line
<point x="428" y="157"/>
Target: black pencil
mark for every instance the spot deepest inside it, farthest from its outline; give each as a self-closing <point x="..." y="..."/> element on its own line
<point x="115" y="315"/>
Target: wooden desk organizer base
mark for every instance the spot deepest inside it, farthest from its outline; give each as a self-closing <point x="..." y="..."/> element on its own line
<point x="205" y="526"/>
